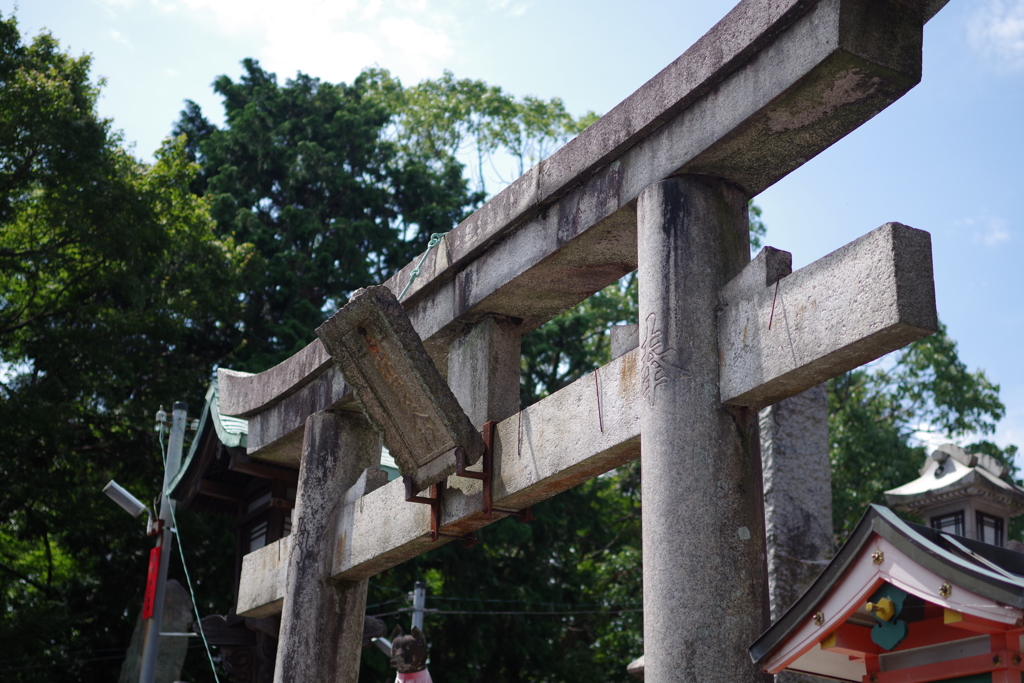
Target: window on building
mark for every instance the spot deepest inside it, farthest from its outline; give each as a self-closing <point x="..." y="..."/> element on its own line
<point x="990" y="529"/>
<point x="258" y="535"/>
<point x="953" y="523"/>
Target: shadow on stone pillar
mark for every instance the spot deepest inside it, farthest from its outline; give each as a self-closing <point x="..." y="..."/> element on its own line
<point x="797" y="499"/>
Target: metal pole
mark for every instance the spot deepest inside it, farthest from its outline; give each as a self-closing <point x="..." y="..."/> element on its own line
<point x="419" y="602"/>
<point x="151" y="644"/>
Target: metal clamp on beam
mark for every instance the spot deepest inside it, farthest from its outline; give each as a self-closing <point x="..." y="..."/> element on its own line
<point x="434" y="501"/>
<point x="468" y="541"/>
<point x="486" y="475"/>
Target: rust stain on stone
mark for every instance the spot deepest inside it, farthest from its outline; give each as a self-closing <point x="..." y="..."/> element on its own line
<point x="627" y="371"/>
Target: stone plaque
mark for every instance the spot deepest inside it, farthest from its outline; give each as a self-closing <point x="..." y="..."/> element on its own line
<point x="396" y="383"/>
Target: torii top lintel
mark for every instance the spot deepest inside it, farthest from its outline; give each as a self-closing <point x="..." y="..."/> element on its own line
<point x="773" y="84"/>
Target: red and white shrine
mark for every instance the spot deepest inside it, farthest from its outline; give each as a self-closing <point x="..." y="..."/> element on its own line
<point x="907" y="603"/>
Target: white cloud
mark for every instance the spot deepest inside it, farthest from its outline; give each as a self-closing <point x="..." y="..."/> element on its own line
<point x="989" y="231"/>
<point x="416" y="6"/>
<point x="119" y="37"/>
<point x="234" y="17"/>
<point x="925" y="435"/>
<point x="335" y="39"/>
<point x="329" y="39"/>
<point x="372" y="9"/>
<point x="328" y="55"/>
<point x="510" y="8"/>
<point x="995" y="232"/>
<point x="416" y="39"/>
<point x="997" y="30"/>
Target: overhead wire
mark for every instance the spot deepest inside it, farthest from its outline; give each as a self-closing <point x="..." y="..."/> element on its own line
<point x="511" y="612"/>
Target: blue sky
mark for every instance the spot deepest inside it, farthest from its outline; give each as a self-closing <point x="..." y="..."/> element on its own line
<point x="946" y="158"/>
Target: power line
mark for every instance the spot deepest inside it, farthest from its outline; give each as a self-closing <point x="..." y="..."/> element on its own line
<point x="548" y="603"/>
<point x="515" y="612"/>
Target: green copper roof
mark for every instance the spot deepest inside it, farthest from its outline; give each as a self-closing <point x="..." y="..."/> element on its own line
<point x="231" y="431"/>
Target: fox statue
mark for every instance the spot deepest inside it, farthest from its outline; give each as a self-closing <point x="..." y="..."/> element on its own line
<point x="409" y="656"/>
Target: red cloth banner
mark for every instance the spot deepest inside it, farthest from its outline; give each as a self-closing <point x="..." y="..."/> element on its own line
<point x="151" y="577"/>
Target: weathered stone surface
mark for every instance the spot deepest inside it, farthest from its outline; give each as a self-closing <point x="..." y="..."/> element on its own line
<point x="242" y="395"/>
<point x="624" y="338"/>
<point x="398" y="387"/>
<point x="483" y="370"/>
<point x="275" y="433"/>
<point x="764" y="270"/>
<point x="704" y="574"/>
<point x="772" y="85"/>
<point x="585" y="429"/>
<point x="262" y="580"/>
<point x="322" y="620"/>
<point x="856" y="304"/>
<point x="797" y="499"/>
<point x="797" y="493"/>
<point x="177" y="617"/>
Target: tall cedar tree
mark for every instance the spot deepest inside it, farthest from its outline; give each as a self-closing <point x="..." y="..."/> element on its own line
<point x="307" y="174"/>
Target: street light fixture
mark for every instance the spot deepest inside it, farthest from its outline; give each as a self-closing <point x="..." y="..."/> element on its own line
<point x="129" y="503"/>
<point x="120" y="495"/>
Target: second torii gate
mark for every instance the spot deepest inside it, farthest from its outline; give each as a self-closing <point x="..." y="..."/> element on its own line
<point x="660" y="183"/>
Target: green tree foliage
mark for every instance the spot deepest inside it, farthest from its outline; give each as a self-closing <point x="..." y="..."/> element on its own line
<point x="874" y="413"/>
<point x="575" y="342"/>
<point x="112" y="301"/>
<point x="557" y="599"/>
<point x="451" y="117"/>
<point x="306" y="172"/>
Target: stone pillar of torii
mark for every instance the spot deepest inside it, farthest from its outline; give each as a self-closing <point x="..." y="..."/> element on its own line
<point x="661" y="184"/>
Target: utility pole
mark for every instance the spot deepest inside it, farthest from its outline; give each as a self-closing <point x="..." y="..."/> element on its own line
<point x="419" y="603"/>
<point x="165" y="543"/>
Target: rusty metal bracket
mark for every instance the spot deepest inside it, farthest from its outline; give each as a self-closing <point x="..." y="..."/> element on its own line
<point x="486" y="475"/>
<point x="487" y="470"/>
<point x="522" y="516"/>
<point x="468" y="541"/>
<point x="433" y="500"/>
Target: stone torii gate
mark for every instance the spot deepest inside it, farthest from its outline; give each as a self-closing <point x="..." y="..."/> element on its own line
<point x="659" y="184"/>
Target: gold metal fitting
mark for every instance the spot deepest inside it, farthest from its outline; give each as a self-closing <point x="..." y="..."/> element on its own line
<point x="1015" y="659"/>
<point x="997" y="661"/>
<point x="884" y="609"/>
<point x="945" y="590"/>
<point x="873" y="678"/>
<point x="877" y="557"/>
<point x="819" y="618"/>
